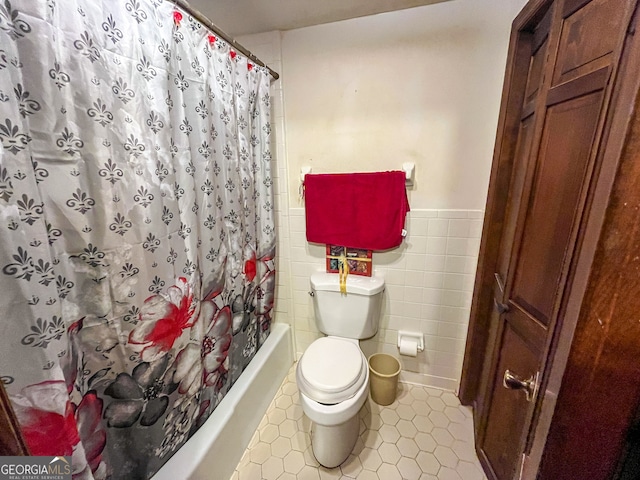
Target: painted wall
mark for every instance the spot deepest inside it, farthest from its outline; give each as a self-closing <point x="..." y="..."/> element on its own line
<point x="420" y="85"/>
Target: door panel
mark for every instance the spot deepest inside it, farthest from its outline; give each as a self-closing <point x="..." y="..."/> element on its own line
<point x="582" y="52"/>
<point x="508" y="411"/>
<point x="561" y="167"/>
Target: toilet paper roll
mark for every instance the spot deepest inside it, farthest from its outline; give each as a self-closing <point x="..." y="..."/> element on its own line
<point x="409" y="346"/>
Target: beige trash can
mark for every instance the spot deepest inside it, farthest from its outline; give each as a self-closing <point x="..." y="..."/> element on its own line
<point x="384" y="370"/>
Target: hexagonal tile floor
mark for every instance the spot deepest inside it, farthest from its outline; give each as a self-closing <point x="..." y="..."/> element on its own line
<point x="424" y="435"/>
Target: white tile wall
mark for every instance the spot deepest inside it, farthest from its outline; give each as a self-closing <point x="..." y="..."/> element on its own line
<point x="429" y="281"/>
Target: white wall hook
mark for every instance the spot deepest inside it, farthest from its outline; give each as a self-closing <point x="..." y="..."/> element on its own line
<point x="303" y="171"/>
<point x="409" y="169"/>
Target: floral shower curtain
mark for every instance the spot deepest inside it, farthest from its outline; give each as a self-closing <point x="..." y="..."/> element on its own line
<point x="136" y="227"/>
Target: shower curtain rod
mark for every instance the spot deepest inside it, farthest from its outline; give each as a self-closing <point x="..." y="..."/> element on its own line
<point x="210" y="25"/>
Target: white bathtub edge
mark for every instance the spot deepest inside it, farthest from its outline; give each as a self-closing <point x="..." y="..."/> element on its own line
<point x="213" y="452"/>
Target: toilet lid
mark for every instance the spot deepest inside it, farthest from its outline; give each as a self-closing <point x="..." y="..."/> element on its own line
<point x="331" y="370"/>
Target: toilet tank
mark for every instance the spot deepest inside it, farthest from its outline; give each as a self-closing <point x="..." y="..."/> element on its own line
<point x="355" y="314"/>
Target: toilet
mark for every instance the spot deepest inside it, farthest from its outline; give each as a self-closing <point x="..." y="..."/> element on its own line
<point x="333" y="374"/>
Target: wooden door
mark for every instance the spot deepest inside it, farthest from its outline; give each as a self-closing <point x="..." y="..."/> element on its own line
<point x="572" y="48"/>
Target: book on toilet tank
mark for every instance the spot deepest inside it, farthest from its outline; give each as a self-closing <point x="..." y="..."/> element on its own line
<point x="359" y="261"/>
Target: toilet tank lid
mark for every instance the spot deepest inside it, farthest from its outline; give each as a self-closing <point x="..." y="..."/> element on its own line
<point x="330" y="282"/>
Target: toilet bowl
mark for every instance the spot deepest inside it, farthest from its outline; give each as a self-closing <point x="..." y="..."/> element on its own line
<point x="333" y="380"/>
<point x="333" y="373"/>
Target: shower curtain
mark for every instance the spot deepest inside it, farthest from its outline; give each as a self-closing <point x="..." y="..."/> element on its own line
<point x="137" y="234"/>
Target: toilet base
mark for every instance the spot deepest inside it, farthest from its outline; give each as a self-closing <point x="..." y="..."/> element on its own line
<point x="332" y="445"/>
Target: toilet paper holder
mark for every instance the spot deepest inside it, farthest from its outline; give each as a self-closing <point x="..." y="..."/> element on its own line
<point x="418" y="337"/>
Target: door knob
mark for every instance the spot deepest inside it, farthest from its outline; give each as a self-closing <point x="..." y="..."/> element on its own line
<point x="514" y="382"/>
<point x="500" y="307"/>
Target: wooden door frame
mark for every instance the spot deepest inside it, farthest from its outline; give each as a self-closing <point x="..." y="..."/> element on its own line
<point x="620" y="119"/>
<point x="11" y="440"/>
<point x="472" y="380"/>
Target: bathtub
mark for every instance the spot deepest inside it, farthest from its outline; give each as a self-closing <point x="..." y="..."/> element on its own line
<point x="213" y="452"/>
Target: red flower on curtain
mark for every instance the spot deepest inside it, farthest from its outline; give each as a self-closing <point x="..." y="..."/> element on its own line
<point x="232" y="54"/>
<point x="53" y="426"/>
<point x="250" y="268"/>
<point x="163" y="318"/>
<point x="177" y="18"/>
<point x="47" y="419"/>
<point x="212" y="39"/>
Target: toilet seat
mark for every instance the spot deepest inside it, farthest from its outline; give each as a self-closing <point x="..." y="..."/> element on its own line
<point x="331" y="370"/>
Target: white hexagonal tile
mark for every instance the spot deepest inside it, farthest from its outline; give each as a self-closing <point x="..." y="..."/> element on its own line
<point x="304" y="425"/>
<point x="280" y="447"/>
<point x="446" y="456"/>
<point x="436" y="404"/>
<point x="425" y="476"/>
<point x="309" y="458"/>
<point x="300" y="441"/>
<point x="428" y="463"/>
<point x="389" y="433"/>
<point x="287" y="476"/>
<point x="439" y="419"/>
<point x="464" y="450"/>
<point x="373" y="421"/>
<point x="374" y="407"/>
<point x="389" y="472"/>
<point x="407" y="447"/>
<point x="368" y="475"/>
<point x="442" y="437"/>
<point x="260" y="453"/>
<point x="409" y="469"/>
<point x="293" y="462"/>
<point x="433" y="392"/>
<point x="294" y="412"/>
<point x="422" y="423"/>
<point x="405" y="397"/>
<point x="455" y="414"/>
<point x="447" y="473"/>
<point x="419" y="393"/>
<point x="371" y="439"/>
<point x="351" y="466"/>
<point x="272" y="468"/>
<point x="269" y="433"/>
<point x="250" y="472"/>
<point x="276" y="416"/>
<point x="330" y="473"/>
<point x="389" y="453"/>
<point x="288" y="428"/>
<point x="406" y="412"/>
<point x="283" y="402"/>
<point x="426" y="442"/>
<point x="406" y="429"/>
<point x="254" y="439"/>
<point x="389" y="417"/>
<point x="460" y="431"/>
<point x="450" y="399"/>
<point x="308" y="473"/>
<point x="469" y="471"/>
<point x="370" y="459"/>
<point x="289" y="388"/>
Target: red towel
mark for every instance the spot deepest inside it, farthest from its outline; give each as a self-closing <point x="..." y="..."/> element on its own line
<point x="357" y="210"/>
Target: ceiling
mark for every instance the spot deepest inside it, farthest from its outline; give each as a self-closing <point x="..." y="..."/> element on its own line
<point x="243" y="17"/>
